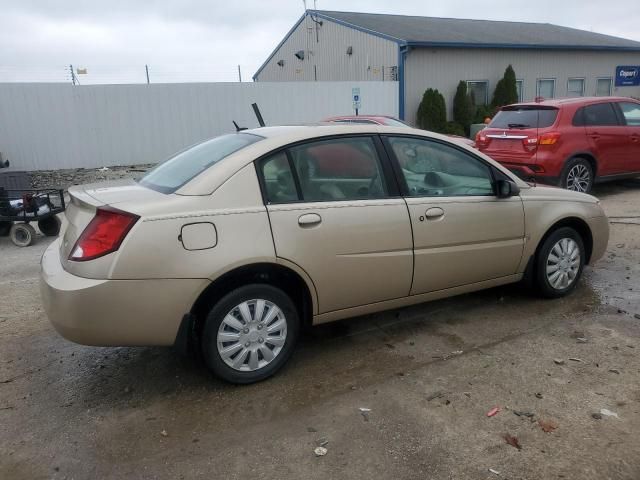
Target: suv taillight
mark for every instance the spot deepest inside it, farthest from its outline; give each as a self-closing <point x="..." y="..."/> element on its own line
<point x="549" y="138"/>
<point x="103" y="235"/>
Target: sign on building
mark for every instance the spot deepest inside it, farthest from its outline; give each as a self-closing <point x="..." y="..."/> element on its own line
<point x="627" y="76"/>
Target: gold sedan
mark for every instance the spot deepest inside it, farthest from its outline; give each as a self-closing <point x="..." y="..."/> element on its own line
<point x="233" y="245"/>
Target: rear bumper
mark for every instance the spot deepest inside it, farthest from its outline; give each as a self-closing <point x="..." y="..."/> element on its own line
<point x="114" y="312"/>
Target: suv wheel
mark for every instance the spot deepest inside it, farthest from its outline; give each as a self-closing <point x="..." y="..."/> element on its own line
<point x="250" y="333"/>
<point x="559" y="263"/>
<point x="577" y="175"/>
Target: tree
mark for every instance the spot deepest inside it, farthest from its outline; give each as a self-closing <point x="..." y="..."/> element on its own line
<point x="432" y="112"/>
<point x="511" y="86"/>
<point x="506" y="91"/>
<point x="463" y="108"/>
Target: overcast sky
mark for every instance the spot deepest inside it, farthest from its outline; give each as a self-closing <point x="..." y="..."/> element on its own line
<point x="206" y="39"/>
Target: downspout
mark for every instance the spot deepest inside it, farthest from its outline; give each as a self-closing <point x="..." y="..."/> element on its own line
<point x="402" y="53"/>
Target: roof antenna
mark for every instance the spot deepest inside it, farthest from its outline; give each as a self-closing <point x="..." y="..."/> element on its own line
<point x="256" y="110"/>
<point x="238" y="129"/>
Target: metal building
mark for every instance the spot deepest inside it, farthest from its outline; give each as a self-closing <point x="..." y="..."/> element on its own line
<point x="426" y="52"/>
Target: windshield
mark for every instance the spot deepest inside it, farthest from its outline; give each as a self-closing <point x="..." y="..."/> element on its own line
<point x="173" y="173"/>
<point x="524" y="117"/>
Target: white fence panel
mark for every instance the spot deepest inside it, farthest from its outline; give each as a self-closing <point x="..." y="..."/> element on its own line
<point x="54" y="126"/>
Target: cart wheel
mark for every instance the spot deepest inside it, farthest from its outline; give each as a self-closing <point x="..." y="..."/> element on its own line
<point x="50" y="226"/>
<point x="4" y="228"/>
<point x="22" y="234"/>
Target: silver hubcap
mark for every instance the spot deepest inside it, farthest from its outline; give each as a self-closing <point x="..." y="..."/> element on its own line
<point x="563" y="263"/>
<point x="578" y="178"/>
<point x="252" y="335"/>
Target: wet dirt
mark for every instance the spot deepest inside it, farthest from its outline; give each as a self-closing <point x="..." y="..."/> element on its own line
<point x="429" y="374"/>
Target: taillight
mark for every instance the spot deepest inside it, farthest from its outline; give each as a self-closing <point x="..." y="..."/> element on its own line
<point x="482" y="140"/>
<point x="103" y="235"/>
<point x="530" y="143"/>
<point x="549" y="138"/>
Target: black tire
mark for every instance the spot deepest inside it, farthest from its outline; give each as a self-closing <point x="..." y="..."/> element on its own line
<point x="5" y="228"/>
<point x="225" y="306"/>
<point x="50" y="226"/>
<point x="577" y="168"/>
<point x="22" y="234"/>
<point x="542" y="280"/>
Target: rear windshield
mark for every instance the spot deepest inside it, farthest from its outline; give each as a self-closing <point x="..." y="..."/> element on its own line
<point x="524" y="117"/>
<point x="173" y="173"/>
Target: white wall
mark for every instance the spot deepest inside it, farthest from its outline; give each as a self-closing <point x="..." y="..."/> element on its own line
<point x="54" y="126"/>
<point x="326" y="56"/>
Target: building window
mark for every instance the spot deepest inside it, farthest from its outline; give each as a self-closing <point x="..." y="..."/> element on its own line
<point x="479" y="91"/>
<point x="603" y="87"/>
<point x="546" y="88"/>
<point x="520" y="89"/>
<point x="575" y="87"/>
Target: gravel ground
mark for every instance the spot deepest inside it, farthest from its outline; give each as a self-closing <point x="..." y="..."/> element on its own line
<point x="429" y="375"/>
<point x="80" y="176"/>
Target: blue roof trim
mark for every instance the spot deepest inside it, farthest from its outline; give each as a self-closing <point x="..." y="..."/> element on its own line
<point x="520" y="46"/>
<point x="356" y="27"/>
<point x="286" y="37"/>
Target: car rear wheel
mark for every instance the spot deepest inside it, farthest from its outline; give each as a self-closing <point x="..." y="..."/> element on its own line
<point x="250" y="333"/>
<point x="22" y="234"/>
<point x="559" y="263"/>
<point x="577" y="175"/>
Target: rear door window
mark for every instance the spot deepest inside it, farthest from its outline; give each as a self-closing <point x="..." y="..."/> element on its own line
<point x="345" y="168"/>
<point x="524" y="117"/>
<point x="279" y="183"/>
<point x="599" y="114"/>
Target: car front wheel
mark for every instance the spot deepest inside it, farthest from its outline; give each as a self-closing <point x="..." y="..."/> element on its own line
<point x="559" y="263"/>
<point x="577" y="175"/>
<point x="250" y="333"/>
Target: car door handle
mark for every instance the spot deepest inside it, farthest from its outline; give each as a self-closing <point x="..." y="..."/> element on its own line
<point x="434" y="213"/>
<point x="309" y="220"/>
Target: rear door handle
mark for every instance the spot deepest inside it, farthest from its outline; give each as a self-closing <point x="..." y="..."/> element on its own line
<point x="309" y="220"/>
<point x="434" y="213"/>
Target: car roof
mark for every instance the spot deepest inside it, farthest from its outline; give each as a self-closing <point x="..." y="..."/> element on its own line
<point x="558" y="102"/>
<point x="289" y="133"/>
<point x="359" y="117"/>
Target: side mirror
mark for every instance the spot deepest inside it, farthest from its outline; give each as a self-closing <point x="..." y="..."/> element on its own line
<point x="506" y="189"/>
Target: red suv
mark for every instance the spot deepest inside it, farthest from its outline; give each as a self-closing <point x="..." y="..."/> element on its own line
<point x="571" y="142"/>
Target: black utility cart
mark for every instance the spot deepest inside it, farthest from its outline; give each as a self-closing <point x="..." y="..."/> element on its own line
<point x="21" y="205"/>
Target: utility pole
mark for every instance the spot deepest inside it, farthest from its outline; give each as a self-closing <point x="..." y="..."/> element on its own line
<point x="146" y="69"/>
<point x="239" y="74"/>
<point x="73" y="75"/>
